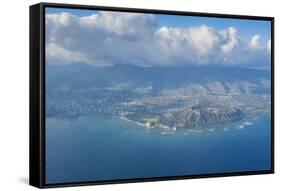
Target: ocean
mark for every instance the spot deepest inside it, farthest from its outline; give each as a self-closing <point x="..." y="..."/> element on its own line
<point x="95" y="148"/>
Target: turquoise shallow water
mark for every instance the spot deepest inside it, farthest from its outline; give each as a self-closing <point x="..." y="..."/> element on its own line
<point x="93" y="147"/>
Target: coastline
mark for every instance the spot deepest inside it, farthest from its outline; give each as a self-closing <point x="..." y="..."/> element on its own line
<point x="238" y="125"/>
<point x="131" y="121"/>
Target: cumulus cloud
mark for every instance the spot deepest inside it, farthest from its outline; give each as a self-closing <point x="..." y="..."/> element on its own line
<point x="107" y="38"/>
<point x="201" y="39"/>
<point x="232" y="39"/>
<point x="61" y="55"/>
<point x="255" y="41"/>
<point x="185" y="45"/>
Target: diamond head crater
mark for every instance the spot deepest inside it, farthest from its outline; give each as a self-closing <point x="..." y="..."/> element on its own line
<point x="177" y="97"/>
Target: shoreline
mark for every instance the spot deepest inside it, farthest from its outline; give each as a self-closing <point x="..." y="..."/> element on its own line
<point x="244" y="123"/>
<point x="131" y="121"/>
<point x="238" y="125"/>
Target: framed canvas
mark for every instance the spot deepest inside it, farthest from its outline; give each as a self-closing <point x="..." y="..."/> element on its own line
<point x="123" y="95"/>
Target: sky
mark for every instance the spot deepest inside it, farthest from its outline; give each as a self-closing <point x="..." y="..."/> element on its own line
<point x="105" y="38"/>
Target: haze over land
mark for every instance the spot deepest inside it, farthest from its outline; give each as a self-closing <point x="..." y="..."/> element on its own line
<point x="168" y="97"/>
<point x="158" y="71"/>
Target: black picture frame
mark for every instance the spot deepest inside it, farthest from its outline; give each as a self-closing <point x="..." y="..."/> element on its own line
<point x="37" y="94"/>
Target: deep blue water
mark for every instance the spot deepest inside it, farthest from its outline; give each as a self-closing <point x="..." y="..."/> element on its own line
<point x="92" y="148"/>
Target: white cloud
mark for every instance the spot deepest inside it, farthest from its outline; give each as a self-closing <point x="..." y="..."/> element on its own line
<point x="255" y="41"/>
<point x="187" y="44"/>
<point x="231" y="38"/>
<point x="203" y="39"/>
<point x="107" y="38"/>
<point x="62" y="55"/>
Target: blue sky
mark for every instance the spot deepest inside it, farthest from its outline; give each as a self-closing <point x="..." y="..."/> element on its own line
<point x="247" y="28"/>
<point x="175" y="39"/>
